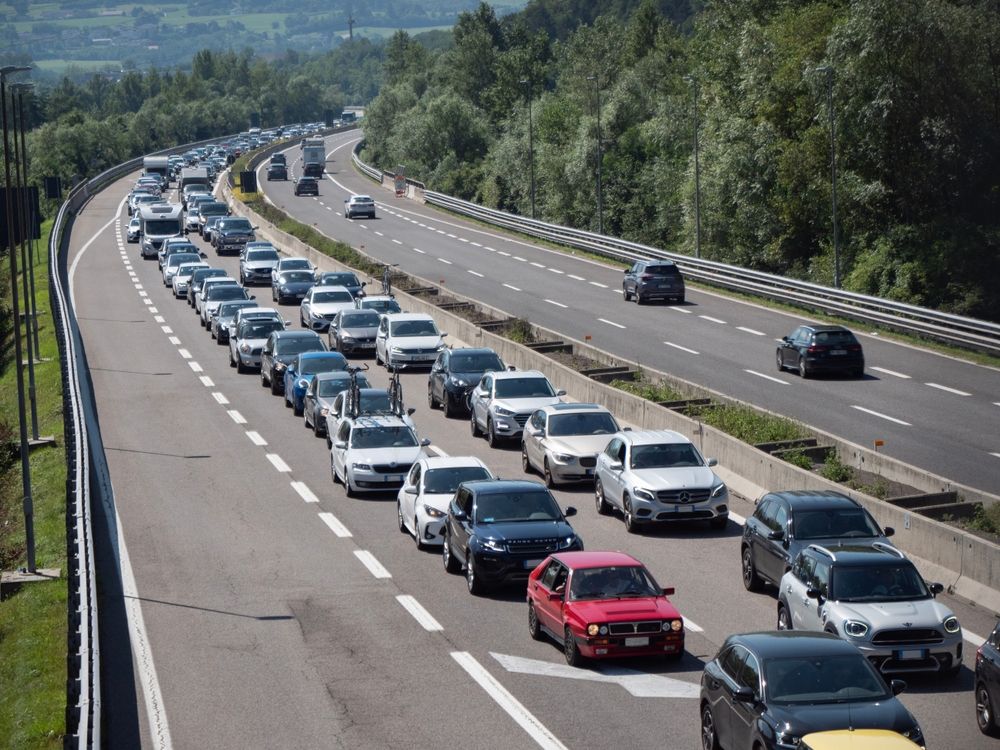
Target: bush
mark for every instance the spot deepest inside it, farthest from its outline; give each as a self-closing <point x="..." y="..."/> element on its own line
<point x="518" y="330"/>
<point x="836" y="471"/>
<point x="987" y="519"/>
<point x="798" y="458"/>
<point x="647" y="389"/>
<point x="747" y="424"/>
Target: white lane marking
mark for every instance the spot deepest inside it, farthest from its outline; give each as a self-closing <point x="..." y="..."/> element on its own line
<point x="220" y="398"/>
<point x="379" y="233"/>
<point x="693" y="626"/>
<point x="687" y="312"/>
<point x="335" y="525"/>
<point x="737" y="518"/>
<point x="947" y="389"/>
<point x="437" y="451"/>
<point x="166" y="329"/>
<point x="184" y="353"/>
<point x="433" y="229"/>
<point x="491" y="249"/>
<point x="445" y="261"/>
<point x="598" y="283"/>
<point x="174" y="340"/>
<point x="767" y="377"/>
<point x="538" y="265"/>
<point x="710" y="319"/>
<point x="374" y="566"/>
<point x="501" y="252"/>
<point x="159" y="319"/>
<point x="153" y="310"/>
<point x="750" y="331"/>
<point x="476" y="273"/>
<point x="421" y="615"/>
<point x="236" y="416"/>
<point x="996" y="455"/>
<point x="886" y="371"/>
<point x="462" y="239"/>
<point x="611" y="323"/>
<point x="255" y="438"/>
<point x="476" y="244"/>
<point x="195" y="367"/>
<point x="682" y="348"/>
<point x="418" y="250"/>
<point x="450" y="235"/>
<point x="512" y="287"/>
<point x="557" y="304"/>
<point x="524" y="718"/>
<point x="278" y="463"/>
<point x="519" y="258"/>
<point x="397" y="241"/>
<point x="995" y="403"/>
<point x="880" y="415"/>
<point x="619" y="291"/>
<point x="575" y="277"/>
<point x="975" y="640"/>
<point x="207" y="381"/>
<point x="304" y="492"/>
<point x="137" y="286"/>
<point x="556" y="270"/>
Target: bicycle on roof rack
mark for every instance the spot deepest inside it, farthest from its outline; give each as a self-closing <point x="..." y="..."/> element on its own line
<point x="396" y="394"/>
<point x="354" y="406"/>
<point x="387" y="277"/>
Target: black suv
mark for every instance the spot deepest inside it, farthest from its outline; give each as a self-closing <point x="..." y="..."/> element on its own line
<point x="785" y="522"/>
<point x="766" y="690"/>
<point x="307" y="185"/>
<point x="812" y="349"/>
<point x="280" y="350"/>
<point x="455" y="374"/>
<point x="499" y="530"/>
<point x="988" y="684"/>
<point x="232" y="233"/>
<point x="276" y="172"/>
<point x="653" y="279"/>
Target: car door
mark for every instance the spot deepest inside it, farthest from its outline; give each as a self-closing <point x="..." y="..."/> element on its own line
<point x="789" y="354"/>
<point x="480" y="400"/>
<point x="438" y="375"/>
<point x="534" y="439"/>
<point x="611" y="471"/>
<point x="772" y="556"/>
<point x="381" y="339"/>
<point x="722" y="694"/>
<point x="744" y="713"/>
<point x="409" y="495"/>
<point x="309" y="401"/>
<point x="267" y="355"/>
<point x="795" y="591"/>
<point x="460" y="528"/>
<point x="340" y="448"/>
<point x="549" y="603"/>
<point x="628" y="284"/>
<point x="813" y="609"/>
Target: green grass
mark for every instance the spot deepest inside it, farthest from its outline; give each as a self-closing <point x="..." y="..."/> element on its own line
<point x="748" y="424"/>
<point x="648" y="389"/>
<point x="33" y="621"/>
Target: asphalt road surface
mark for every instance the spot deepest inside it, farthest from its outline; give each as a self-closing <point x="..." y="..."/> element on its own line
<point x="265" y="609"/>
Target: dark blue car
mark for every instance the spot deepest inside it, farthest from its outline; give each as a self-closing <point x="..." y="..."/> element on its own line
<point x="300" y="372"/>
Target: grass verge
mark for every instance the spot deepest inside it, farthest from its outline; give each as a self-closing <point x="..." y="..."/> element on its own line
<point x="33" y="621"/>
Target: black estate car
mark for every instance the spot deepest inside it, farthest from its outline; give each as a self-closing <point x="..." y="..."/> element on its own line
<point x="784" y="522"/>
<point x="647" y="280"/>
<point x="766" y="690"/>
<point x="307" y="186"/>
<point x="455" y="373"/>
<point x="499" y="530"/>
<point x="280" y="350"/>
<point x="813" y="349"/>
<point x="988" y="684"/>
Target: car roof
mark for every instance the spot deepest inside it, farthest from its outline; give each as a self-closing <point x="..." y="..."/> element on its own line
<point x="793" y="643"/>
<point x="330" y="288"/>
<point x="596" y="559"/>
<point x="393" y="317"/>
<point x="322" y="355"/>
<point x="860" y="555"/>
<point x="573" y="408"/>
<point x="473" y="350"/>
<point x="858" y="739"/>
<point x="821" y="327"/>
<point x="286" y="334"/>
<point x="509" y="374"/>
<point x="499" y="486"/>
<point x="333" y="375"/>
<point x="361" y="196"/>
<point x="451" y="462"/>
<point x="652" y="437"/>
<point x="378" y="420"/>
<point x="812" y="499"/>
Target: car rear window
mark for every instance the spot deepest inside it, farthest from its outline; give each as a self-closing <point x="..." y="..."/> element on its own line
<point x="834" y="337"/>
<point x="670" y="270"/>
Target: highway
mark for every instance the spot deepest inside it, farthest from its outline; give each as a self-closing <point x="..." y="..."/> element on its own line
<point x="268" y="610"/>
<point x="936" y="412"/>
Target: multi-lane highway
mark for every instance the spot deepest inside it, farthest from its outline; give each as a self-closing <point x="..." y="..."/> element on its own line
<point x="939" y="413"/>
<point x="268" y="610"/>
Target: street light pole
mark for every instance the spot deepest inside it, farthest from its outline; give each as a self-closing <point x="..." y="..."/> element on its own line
<point x="828" y="70"/>
<point x="32" y="221"/>
<point x="29" y="513"/>
<point x="531" y="146"/>
<point x="600" y="158"/>
<point x="697" y="171"/>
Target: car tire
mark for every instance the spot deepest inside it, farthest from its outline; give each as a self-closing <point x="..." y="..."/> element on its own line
<point x="333" y="472"/>
<point x="232" y="362"/>
<point x="751" y="580"/>
<point x="784" y="619"/>
<point x="275" y="391"/>
<point x="474" y="425"/>
<point x="777" y="361"/>
<point x="986" y="719"/>
<point x="399" y="518"/>
<point x="240" y="367"/>
<point x="447" y="558"/>
<point x="631" y="525"/>
<point x="803" y="368"/>
<point x="603" y="508"/>
<point x="348" y="488"/>
<point x="491" y="435"/>
<point x="472" y="582"/>
<point x="263" y="380"/>
<point x="315" y="428"/>
<point x="547" y="475"/>
<point x="432" y="402"/>
<point x="859" y="374"/>
<point x="638" y="298"/>
<point x="526" y="466"/>
<point x="573" y="656"/>
<point x="296" y="410"/>
<point x="302" y="321"/>
<point x="626" y="295"/>
<point x="449" y="409"/>
<point x="680" y="300"/>
<point x="534" y="627"/>
<point x="709" y="737"/>
<point x="718" y="523"/>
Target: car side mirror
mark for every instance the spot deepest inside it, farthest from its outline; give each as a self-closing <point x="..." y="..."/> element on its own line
<point x="511" y="368"/>
<point x="743" y="693"/>
<point x="340" y="445"/>
<point x="555" y="596"/>
<point x="410" y="490"/>
<point x="459" y="515"/>
<point x="936" y="588"/>
<point x="668" y="590"/>
<point x="425" y="442"/>
<point x="626" y="429"/>
<point x="889" y="531"/>
<point x="253" y="296"/>
<point x="443" y="335"/>
<point x="615" y="465"/>
<point x="202" y="253"/>
<point x="712" y="462"/>
<point x="570" y="511"/>
<point x="776" y="536"/>
<point x="411" y="411"/>
<point x="626" y="270"/>
<point x="561" y="392"/>
<point x="364" y="283"/>
<point x="897" y="686"/>
<point x="813" y="593"/>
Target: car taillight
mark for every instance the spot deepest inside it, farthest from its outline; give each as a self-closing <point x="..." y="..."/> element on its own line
<point x="816" y="348"/>
<point x="854" y="348"/>
<point x="647" y="277"/>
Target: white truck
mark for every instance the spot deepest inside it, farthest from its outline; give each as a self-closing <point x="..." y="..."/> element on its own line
<point x="313" y="157"/>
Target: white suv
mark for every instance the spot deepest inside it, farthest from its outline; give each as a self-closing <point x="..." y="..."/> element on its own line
<point x="407" y="340"/>
<point x="658" y="476"/>
<point x="562" y="441"/>
<point x="374" y="454"/>
<point x="503" y="401"/>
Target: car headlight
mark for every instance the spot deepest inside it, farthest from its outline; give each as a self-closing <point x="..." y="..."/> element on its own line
<point x="856" y="628"/>
<point x="346" y="337"/>
<point x="719" y="489"/>
<point x="361" y="467"/>
<point x="916" y="734"/>
<point x="396" y="349"/>
<point x="501" y="412"/>
<point x="595" y="629"/>
<point x="493" y="544"/>
<point x="245" y="348"/>
<point x="302" y="383"/>
<point x="434" y="512"/>
<point x="280" y="367"/>
<point x="951" y="624"/>
<point x="787" y="739"/>
<point x="324" y="411"/>
<point x="643" y="494"/>
<point x="567" y="542"/>
<point x="282" y="288"/>
<point x="459" y="382"/>
<point x="565" y="458"/>
<point x="674" y="625"/>
<point x="441" y="346"/>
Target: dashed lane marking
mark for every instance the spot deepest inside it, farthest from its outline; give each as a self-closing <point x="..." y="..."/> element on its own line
<point x="611" y="323"/>
<point x="369" y="560"/>
<point x="946" y="389"/>
<point x="255" y="437"/>
<point x="335" y="525"/>
<point x="598" y="284"/>
<point x="767" y="377"/>
<point x="278" y="463"/>
<point x="304" y="492"/>
<point x="207" y="381"/>
<point x="220" y="398"/>
<point x="195" y="367"/>
<point x="880" y="415"/>
<point x="516" y="289"/>
<point x="476" y="273"/>
<point x="710" y="319"/>
<point x="682" y="348"/>
<point x="557" y="304"/>
<point x="236" y="416"/>
<point x="445" y="261"/>
<point x="751" y="331"/>
<point x="886" y="371"/>
<point x="417" y="611"/>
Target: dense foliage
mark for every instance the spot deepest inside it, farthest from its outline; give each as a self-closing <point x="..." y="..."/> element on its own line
<point x="915" y="94"/>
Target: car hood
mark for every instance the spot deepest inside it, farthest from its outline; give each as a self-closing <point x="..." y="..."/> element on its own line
<point x="259" y="264"/>
<point x="579" y="445"/>
<point x="520" y="530"/>
<point x="674" y="478"/>
<point x="329" y="308"/>
<point x="415" y="342"/>
<point x="468" y="378"/>
<point x="525" y="404"/>
<point x="402" y="457"/>
<point x="439" y="500"/>
<point x="802" y="719"/>
<point x="296" y="286"/>
<point x="366" y="331"/>
<point x="920" y="613"/>
<point x="624" y="610"/>
<point x="252" y="342"/>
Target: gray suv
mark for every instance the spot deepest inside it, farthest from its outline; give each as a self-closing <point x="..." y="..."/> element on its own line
<point x="648" y="280"/>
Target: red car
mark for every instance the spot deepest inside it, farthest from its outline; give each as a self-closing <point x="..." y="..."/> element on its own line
<point x="602" y="605"/>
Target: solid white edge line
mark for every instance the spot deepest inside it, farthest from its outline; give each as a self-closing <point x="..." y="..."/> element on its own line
<point x="880" y="415"/>
<point x="887" y="371"/>
<point x="503" y="698"/>
<point x="335" y="525"/>
<point x="419" y="613"/>
<point x="946" y="389"/>
<point x="374" y="566"/>
<point x="278" y="463"/>
<point x="304" y="492"/>
<point x="255" y="437"/>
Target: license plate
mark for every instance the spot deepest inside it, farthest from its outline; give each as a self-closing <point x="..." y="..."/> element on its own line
<point x="683" y="508"/>
<point x="910" y="654"/>
<point x="532" y="564"/>
<point x="837" y="352"/>
<point x="589" y="472"/>
<point x="644" y="641"/>
<point x="368" y="345"/>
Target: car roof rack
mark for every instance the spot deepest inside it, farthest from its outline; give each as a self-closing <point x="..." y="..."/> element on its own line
<point x="823" y="550"/>
<point x="889" y="549"/>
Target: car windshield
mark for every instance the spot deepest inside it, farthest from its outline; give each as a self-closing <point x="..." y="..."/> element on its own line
<point x="262" y="255"/>
<point x="298" y="345"/>
<point x="524" y="388"/>
<point x="445" y="481"/>
<point x="330" y="387"/>
<point x="481" y="362"/>
<point x="367" y="319"/>
<point x="295" y="263"/>
<point x="834" y="523"/>
<point x="877" y="584"/>
<point x="530" y="505"/>
<point x="332" y="297"/>
<point x="225" y="291"/>
<point x="295" y="277"/>
<point x="178" y="259"/>
<point x="582" y="423"/>
<point x="228" y="309"/>
<point x="414" y="328"/>
<point x="259" y="329"/>
<point x="340" y="279"/>
<point x="213" y="209"/>
<point x="613" y="582"/>
<point x="242" y="225"/>
<point x="383" y="437"/>
<point x="841" y="678"/>
<point x="313" y="365"/>
<point x="665" y="456"/>
<point x="178" y="248"/>
<point x="381" y="305"/>
<point x="162" y="226"/>
<point x="206" y="273"/>
<point x="187" y="269"/>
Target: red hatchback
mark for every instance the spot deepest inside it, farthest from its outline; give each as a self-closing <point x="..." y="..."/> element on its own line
<point x="602" y="605"/>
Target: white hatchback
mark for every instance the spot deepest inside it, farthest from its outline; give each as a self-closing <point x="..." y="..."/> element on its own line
<point x="422" y="502"/>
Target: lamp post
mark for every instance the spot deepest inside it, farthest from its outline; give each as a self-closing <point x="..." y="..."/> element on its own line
<point x="697" y="169"/>
<point x="828" y="70"/>
<point x="32" y="219"/>
<point x="600" y="158"/>
<point x="29" y="513"/>
<point x="531" y="145"/>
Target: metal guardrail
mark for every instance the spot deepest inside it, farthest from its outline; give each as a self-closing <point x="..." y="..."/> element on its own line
<point x="958" y="330"/>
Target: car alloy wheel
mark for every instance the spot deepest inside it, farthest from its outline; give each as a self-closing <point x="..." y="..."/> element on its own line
<point x="472" y="581"/>
<point x="399" y="518"/>
<point x="449" y="409"/>
<point x="418" y="534"/>
<point x="431" y="401"/>
<point x="784" y="621"/>
<point x="602" y="504"/>
<point x="275" y="390"/>
<point x="534" y="627"/>
<point x="474" y="425"/>
<point x="570" y="650"/>
<point x="491" y="435"/>
<point x="450" y="563"/>
<point x="625" y="294"/>
<point x="631" y="526"/>
<point x="778" y="362"/>
<point x="751" y="581"/>
<point x="333" y="472"/>
<point x="525" y="463"/>
<point x="709" y="740"/>
<point x="984" y="712"/>
<point x="547" y="475"/>
<point x="803" y="368"/>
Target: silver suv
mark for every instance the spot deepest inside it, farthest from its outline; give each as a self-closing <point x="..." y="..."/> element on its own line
<point x="562" y="441"/>
<point x="658" y="476"/>
<point x="503" y="401"/>
<point x="873" y="597"/>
